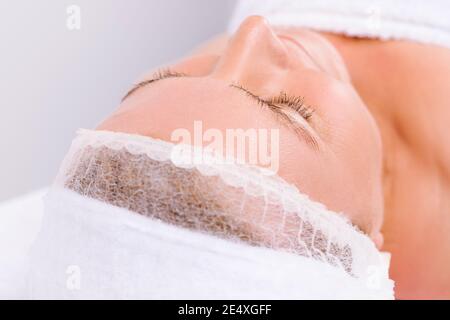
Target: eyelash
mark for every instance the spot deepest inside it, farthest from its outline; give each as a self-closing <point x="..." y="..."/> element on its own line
<point x="282" y="100"/>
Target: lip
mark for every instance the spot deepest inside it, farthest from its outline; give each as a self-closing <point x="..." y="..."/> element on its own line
<point x="302" y="48"/>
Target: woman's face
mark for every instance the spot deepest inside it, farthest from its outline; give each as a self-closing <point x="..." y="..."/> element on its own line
<point x="330" y="148"/>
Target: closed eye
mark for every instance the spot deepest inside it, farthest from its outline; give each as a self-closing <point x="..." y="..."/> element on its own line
<point x="279" y="104"/>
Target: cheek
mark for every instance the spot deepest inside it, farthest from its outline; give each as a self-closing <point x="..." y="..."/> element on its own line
<point x="316" y="173"/>
<point x="342" y="182"/>
<point x="347" y="176"/>
<point x="355" y="141"/>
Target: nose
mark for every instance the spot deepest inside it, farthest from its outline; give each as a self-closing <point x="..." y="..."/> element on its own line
<point x="254" y="50"/>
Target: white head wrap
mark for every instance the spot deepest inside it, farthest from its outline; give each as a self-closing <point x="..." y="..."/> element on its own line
<point x="127" y="219"/>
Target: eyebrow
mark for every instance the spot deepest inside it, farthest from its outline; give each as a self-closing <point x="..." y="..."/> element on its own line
<point x="287" y="120"/>
<point x="160" y="75"/>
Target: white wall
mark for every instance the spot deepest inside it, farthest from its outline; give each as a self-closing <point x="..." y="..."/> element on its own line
<point x="53" y="81"/>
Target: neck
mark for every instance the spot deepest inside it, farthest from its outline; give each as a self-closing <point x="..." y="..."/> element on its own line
<point x="416" y="172"/>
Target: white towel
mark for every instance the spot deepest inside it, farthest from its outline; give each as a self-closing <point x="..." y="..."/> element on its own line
<point x="416" y="20"/>
<point x="92" y="250"/>
<point x="20" y="220"/>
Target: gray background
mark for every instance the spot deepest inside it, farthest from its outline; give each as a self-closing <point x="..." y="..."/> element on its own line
<point x="54" y="81"/>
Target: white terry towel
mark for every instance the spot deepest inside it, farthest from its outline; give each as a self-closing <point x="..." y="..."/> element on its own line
<point x="414" y="20"/>
<point x="20" y="220"/>
<point x="91" y="250"/>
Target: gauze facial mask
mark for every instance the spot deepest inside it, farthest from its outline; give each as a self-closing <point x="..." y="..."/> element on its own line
<point x="238" y="204"/>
